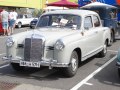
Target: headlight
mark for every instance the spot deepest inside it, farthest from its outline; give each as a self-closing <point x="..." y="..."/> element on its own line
<point x="9" y="42"/>
<point x="59" y="45"/>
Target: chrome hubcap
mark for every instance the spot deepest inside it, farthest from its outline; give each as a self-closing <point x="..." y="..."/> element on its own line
<point x="74" y="64"/>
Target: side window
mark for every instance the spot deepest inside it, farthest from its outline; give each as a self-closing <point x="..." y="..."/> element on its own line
<point x="96" y="21"/>
<point x="88" y="22"/>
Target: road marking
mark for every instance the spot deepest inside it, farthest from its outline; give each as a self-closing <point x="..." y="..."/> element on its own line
<point x="112" y="51"/>
<point x="92" y="74"/>
<point x="90" y="84"/>
<point x="3" y="37"/>
<point x="2" y="54"/>
<point x="4" y="66"/>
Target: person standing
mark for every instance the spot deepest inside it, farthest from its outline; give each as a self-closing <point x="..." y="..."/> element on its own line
<point x="12" y="20"/>
<point x="4" y="18"/>
<point x="15" y="17"/>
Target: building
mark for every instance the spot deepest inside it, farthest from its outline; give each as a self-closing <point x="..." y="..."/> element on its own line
<point x="21" y="3"/>
<point x="39" y="4"/>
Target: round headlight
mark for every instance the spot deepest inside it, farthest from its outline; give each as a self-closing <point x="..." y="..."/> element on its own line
<point x="59" y="45"/>
<point x="9" y="42"/>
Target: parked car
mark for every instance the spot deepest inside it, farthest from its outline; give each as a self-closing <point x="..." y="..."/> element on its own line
<point x="118" y="62"/>
<point x="61" y="39"/>
<point x="33" y="23"/>
<point x="24" y="19"/>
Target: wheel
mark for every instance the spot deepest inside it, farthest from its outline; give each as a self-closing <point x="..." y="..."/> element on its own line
<point x="72" y="69"/>
<point x="112" y="37"/>
<point x="19" y="24"/>
<point x="17" y="67"/>
<point x="31" y="27"/>
<point x="119" y="72"/>
<point x="104" y="51"/>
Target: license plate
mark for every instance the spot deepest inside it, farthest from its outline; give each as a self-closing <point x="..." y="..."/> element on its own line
<point x="29" y="64"/>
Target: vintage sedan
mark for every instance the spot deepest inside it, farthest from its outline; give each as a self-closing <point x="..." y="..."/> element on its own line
<point x="62" y="38"/>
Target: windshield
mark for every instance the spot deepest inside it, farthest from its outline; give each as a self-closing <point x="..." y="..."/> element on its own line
<point x="60" y="20"/>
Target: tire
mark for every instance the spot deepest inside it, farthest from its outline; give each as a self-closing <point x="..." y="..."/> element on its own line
<point x="112" y="38"/>
<point x="31" y="27"/>
<point x="104" y="51"/>
<point x="19" y="25"/>
<point x="119" y="72"/>
<point x="72" y="69"/>
<point x="17" y="67"/>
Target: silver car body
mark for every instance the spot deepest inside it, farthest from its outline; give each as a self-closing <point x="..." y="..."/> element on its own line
<point x="88" y="41"/>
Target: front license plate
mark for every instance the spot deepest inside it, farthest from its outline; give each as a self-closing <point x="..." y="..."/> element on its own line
<point x="29" y="64"/>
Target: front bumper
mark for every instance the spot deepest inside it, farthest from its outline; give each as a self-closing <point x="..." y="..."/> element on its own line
<point x="50" y="62"/>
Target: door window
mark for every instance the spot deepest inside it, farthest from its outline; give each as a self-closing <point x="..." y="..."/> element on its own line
<point x="88" y="23"/>
<point x="96" y="21"/>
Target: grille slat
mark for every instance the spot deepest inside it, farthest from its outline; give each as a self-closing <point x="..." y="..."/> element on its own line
<point x="33" y="49"/>
<point x="27" y="49"/>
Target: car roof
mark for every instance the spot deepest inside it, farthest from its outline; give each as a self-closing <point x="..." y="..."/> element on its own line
<point x="71" y="11"/>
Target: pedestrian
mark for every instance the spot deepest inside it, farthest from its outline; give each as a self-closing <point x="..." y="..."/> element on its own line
<point x="4" y="18"/>
<point x="12" y="20"/>
<point x="15" y="17"/>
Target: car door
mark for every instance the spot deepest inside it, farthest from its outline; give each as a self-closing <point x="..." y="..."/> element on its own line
<point x="26" y="20"/>
<point x="29" y="19"/>
<point x="99" y="32"/>
<point x="90" y="36"/>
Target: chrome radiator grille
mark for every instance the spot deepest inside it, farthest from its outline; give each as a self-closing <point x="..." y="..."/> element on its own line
<point x="33" y="49"/>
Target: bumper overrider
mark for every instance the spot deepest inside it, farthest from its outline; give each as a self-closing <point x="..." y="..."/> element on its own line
<point x="49" y="62"/>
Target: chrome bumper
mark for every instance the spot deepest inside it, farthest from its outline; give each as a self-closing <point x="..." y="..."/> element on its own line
<point x="51" y="63"/>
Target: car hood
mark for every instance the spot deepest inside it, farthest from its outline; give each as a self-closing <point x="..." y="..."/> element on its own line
<point x="50" y="34"/>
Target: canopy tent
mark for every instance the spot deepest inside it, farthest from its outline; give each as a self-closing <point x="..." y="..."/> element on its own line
<point x="63" y="3"/>
<point x="97" y="4"/>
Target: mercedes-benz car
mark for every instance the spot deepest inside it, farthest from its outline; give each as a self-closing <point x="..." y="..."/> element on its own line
<point x="61" y="39"/>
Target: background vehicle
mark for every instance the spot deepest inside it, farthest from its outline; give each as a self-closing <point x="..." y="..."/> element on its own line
<point x="61" y="39"/>
<point x="108" y="15"/>
<point x="33" y="23"/>
<point x="24" y="19"/>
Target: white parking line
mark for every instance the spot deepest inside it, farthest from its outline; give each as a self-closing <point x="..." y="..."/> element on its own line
<point x="2" y="37"/>
<point x="90" y="84"/>
<point x="4" y="66"/>
<point x="2" y="54"/>
<point x="92" y="74"/>
<point x="112" y="51"/>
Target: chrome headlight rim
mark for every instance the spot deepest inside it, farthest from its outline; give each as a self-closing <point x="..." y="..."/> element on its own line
<point x="9" y="42"/>
<point x="59" y="45"/>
